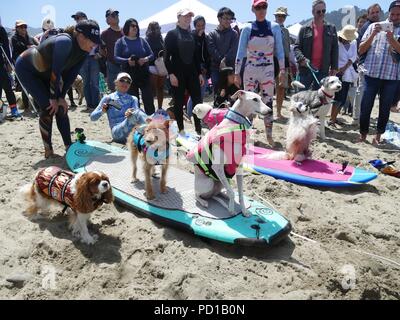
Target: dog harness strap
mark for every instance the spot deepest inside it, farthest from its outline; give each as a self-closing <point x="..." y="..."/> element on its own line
<point x="236" y="117"/>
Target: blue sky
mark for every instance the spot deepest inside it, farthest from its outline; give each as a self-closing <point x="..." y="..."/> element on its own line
<point x="31" y="11"/>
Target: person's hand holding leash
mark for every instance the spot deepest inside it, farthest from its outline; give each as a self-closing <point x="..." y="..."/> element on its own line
<point x="143" y="61"/>
<point x="131" y="63"/>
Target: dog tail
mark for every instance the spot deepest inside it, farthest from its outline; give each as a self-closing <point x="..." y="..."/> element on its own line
<point x="298" y="85"/>
<point x="279" y="155"/>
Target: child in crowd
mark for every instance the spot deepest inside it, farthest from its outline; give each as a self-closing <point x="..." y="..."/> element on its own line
<point x="226" y="88"/>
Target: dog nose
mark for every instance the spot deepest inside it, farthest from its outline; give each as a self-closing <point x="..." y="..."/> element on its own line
<point x="105" y="184"/>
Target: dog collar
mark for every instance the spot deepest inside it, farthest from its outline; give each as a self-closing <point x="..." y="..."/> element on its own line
<point x="327" y="95"/>
<point x="236" y="117"/>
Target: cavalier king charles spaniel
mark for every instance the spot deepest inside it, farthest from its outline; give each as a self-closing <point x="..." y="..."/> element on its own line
<point x="83" y="193"/>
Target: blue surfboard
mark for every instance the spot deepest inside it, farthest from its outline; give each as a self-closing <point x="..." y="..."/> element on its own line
<point x="178" y="207"/>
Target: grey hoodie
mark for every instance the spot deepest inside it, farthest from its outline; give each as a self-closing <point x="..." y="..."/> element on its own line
<point x="222" y="44"/>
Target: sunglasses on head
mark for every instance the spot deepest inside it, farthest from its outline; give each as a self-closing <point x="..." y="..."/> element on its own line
<point x="124" y="80"/>
<point x="321" y="11"/>
<point x="113" y="15"/>
<point x="263" y="7"/>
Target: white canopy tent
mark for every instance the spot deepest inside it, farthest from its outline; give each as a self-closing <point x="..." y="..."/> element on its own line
<point x="167" y="18"/>
<point x="294" y="30"/>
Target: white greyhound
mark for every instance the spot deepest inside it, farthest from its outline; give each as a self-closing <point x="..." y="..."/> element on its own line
<point x="218" y="155"/>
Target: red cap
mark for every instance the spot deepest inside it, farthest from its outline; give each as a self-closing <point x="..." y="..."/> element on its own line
<point x="258" y="2"/>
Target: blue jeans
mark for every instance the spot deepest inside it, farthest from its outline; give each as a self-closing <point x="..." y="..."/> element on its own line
<point x="112" y="72"/>
<point x="90" y="73"/>
<point x="203" y="93"/>
<point x="308" y="80"/>
<point x="386" y="89"/>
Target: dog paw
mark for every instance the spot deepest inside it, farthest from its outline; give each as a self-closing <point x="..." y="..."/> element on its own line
<point x="202" y="202"/>
<point x="150" y="196"/>
<point x="134" y="180"/>
<point x="164" y="190"/>
<point x="88" y="240"/>
<point x="246" y="213"/>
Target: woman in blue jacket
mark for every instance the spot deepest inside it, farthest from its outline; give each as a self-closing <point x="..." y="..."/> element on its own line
<point x="133" y="53"/>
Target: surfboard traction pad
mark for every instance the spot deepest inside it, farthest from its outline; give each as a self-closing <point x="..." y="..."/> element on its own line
<point x="180" y="184"/>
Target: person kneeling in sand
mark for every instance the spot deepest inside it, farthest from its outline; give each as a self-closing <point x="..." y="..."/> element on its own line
<point x="122" y="110"/>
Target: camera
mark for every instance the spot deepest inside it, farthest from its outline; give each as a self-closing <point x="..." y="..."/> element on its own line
<point x="134" y="58"/>
<point x="386" y="26"/>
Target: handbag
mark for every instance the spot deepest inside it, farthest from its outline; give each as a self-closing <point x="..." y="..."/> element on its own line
<point x="160" y="65"/>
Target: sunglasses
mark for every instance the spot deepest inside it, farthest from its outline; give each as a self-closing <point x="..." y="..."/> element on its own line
<point x="22" y="27"/>
<point x="321" y="11"/>
<point x="125" y="81"/>
<point x="113" y="15"/>
<point x="264" y="7"/>
<point x="134" y="26"/>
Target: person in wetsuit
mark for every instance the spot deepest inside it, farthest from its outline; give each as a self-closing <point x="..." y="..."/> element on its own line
<point x="48" y="72"/>
<point x="184" y="67"/>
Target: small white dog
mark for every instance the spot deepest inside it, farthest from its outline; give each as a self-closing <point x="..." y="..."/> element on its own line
<point x="82" y="193"/>
<point x="319" y="101"/>
<point x="210" y="116"/>
<point x="218" y="155"/>
<point x="302" y="130"/>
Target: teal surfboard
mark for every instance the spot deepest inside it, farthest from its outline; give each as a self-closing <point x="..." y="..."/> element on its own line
<point x="178" y="207"/>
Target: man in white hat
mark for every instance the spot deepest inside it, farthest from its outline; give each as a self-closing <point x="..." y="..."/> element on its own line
<point x="280" y="17"/>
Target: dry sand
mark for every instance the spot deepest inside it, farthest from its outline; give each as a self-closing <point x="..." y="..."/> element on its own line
<point x="136" y="258"/>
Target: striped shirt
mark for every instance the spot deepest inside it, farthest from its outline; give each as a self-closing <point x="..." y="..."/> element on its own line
<point x="380" y="62"/>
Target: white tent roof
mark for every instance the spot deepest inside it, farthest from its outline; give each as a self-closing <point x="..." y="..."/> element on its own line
<point x="294" y="30"/>
<point x="167" y="18"/>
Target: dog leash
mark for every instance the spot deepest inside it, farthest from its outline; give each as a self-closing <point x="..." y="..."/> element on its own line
<point x="313" y="72"/>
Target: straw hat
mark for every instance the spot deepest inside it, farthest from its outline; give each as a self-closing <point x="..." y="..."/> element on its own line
<point x="281" y="11"/>
<point x="348" y="33"/>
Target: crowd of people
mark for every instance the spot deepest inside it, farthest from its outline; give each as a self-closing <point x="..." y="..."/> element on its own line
<point x="262" y="57"/>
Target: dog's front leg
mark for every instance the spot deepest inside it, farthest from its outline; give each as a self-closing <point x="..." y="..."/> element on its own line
<point x="218" y="166"/>
<point x="239" y="179"/>
<point x="163" y="183"/>
<point x="86" y="238"/>
<point x="148" y="182"/>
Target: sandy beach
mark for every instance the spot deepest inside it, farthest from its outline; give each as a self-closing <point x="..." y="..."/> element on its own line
<point x="355" y="233"/>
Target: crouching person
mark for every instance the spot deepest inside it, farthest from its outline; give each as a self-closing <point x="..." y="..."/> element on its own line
<point x="122" y="110"/>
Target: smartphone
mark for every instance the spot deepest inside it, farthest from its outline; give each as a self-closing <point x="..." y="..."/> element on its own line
<point x="114" y="104"/>
<point x="386" y="26"/>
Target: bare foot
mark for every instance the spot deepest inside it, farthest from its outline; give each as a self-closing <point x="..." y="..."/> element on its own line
<point x="362" y="138"/>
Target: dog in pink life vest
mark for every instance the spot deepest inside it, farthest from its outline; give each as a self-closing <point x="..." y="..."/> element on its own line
<point x="217" y="157"/>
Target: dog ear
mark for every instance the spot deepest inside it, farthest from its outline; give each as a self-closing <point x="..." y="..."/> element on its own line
<point x="324" y="82"/>
<point x="238" y="94"/>
<point x="83" y="197"/>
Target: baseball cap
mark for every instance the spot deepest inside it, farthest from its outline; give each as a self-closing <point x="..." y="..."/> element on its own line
<point x="258" y="2"/>
<point x="184" y="12"/>
<point x="394" y="4"/>
<point x="79" y="14"/>
<point x="110" y="11"/>
<point x="90" y="29"/>
<point x="20" y="23"/>
<point x="123" y="75"/>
